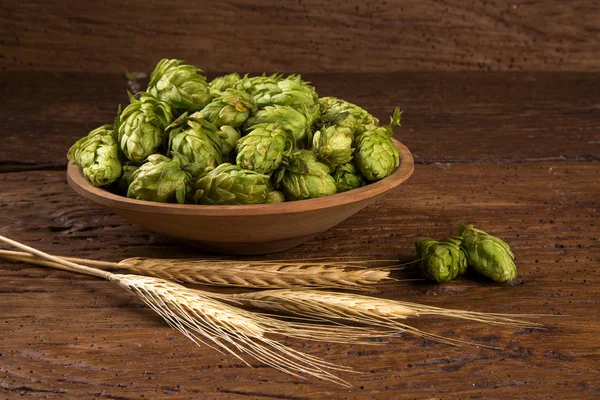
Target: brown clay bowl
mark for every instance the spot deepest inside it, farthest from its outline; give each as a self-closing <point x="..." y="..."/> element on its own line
<point x="245" y="229"/>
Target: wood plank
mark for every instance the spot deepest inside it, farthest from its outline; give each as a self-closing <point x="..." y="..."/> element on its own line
<point x="65" y="335"/>
<point x="305" y="36"/>
<point x="448" y="117"/>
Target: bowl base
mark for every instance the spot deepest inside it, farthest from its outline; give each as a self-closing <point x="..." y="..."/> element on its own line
<point x="245" y="248"/>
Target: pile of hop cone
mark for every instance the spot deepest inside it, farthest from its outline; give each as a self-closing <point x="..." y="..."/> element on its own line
<point x="235" y="140"/>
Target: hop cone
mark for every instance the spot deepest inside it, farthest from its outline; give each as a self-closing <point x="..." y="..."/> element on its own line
<point x="336" y="111"/>
<point x="197" y="140"/>
<point x="262" y="150"/>
<point x="441" y="261"/>
<point x="140" y="127"/>
<point x="288" y="118"/>
<point x="231" y="107"/>
<point x="229" y="137"/>
<point x="275" y="197"/>
<point x="127" y="177"/>
<point x="487" y="254"/>
<point x="160" y="179"/>
<point x="306" y="177"/>
<point x="98" y="156"/>
<point x="222" y="83"/>
<point x="230" y="184"/>
<point x="347" y="177"/>
<point x="376" y="155"/>
<point x="180" y="86"/>
<point x="333" y="145"/>
<point x="291" y="91"/>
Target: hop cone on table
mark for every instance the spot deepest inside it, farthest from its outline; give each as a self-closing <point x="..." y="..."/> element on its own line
<point x="305" y="177"/>
<point x="197" y="140"/>
<point x="222" y="83"/>
<point x="262" y="150"/>
<point x="140" y="127"/>
<point x="98" y="156"/>
<point x="347" y="177"/>
<point x="339" y="112"/>
<point x="333" y="145"/>
<point x="441" y="261"/>
<point x="231" y="107"/>
<point x="230" y="184"/>
<point x="286" y="117"/>
<point x="487" y="254"/>
<point x="180" y="86"/>
<point x="376" y="155"/>
<point x="161" y="179"/>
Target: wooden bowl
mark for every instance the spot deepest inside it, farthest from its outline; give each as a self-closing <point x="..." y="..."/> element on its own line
<point x="247" y="229"/>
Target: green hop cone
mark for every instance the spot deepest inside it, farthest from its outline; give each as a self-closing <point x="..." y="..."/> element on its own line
<point x="333" y="145"/>
<point x="275" y="90"/>
<point x="441" y="261"/>
<point x="161" y="179"/>
<point x="287" y="117"/>
<point x="376" y="154"/>
<point x="347" y="177"/>
<point x="305" y="177"/>
<point x="197" y="140"/>
<point x="275" y="197"/>
<point x="262" y="150"/>
<point x="222" y="83"/>
<point x="127" y="177"/>
<point x="340" y="112"/>
<point x="229" y="137"/>
<point x="232" y="185"/>
<point x="231" y="107"/>
<point x="140" y="127"/>
<point x="98" y="156"/>
<point x="180" y="86"/>
<point x="487" y="254"/>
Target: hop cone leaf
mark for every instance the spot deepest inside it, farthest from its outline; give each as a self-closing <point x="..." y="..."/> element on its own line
<point x="487" y="254"/>
<point x="222" y="83"/>
<point x="140" y="127"/>
<point x="347" y="177"/>
<point x="287" y="117"/>
<point x="306" y="177"/>
<point x="441" y="261"/>
<point x="262" y="150"/>
<point x="197" y="140"/>
<point x="98" y="156"/>
<point x="339" y="112"/>
<point x="160" y="179"/>
<point x="180" y="86"/>
<point x="230" y="184"/>
<point x="231" y="107"/>
<point x="333" y="145"/>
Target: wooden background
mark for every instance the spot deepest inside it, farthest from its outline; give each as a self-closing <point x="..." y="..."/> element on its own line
<point x="515" y="151"/>
<point x="301" y="36"/>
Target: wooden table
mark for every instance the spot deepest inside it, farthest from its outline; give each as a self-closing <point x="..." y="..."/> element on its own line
<point x="517" y="154"/>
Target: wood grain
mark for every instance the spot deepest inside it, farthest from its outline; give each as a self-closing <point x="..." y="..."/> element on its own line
<point x="301" y="36"/>
<point x="448" y="117"/>
<point x="73" y="336"/>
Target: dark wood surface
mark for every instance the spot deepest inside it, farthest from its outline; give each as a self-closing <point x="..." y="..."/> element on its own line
<point x="514" y="153"/>
<point x="304" y="35"/>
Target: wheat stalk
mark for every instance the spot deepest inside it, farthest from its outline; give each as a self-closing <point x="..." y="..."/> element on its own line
<point x="369" y="311"/>
<point x="205" y="320"/>
<point x="349" y="274"/>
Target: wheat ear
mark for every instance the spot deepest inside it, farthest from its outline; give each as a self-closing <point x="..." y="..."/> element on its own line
<point x="369" y="311"/>
<point x="349" y="274"/>
<point x="225" y="328"/>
